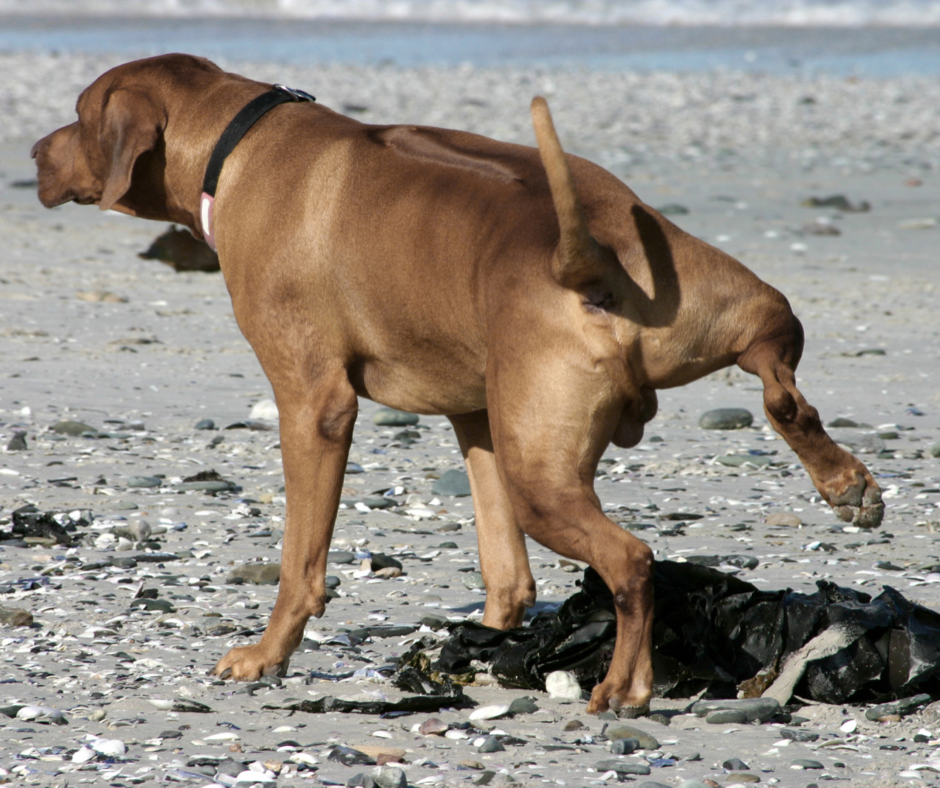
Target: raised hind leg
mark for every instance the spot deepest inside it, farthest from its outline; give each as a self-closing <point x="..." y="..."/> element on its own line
<point x="842" y="480"/>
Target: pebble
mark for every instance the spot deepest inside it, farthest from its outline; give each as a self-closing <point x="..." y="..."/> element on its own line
<point x="258" y="574"/>
<point x="735" y="765"/>
<point x="806" y="763"/>
<point x="726" y="419"/>
<point x="491" y="744"/>
<point x="15" y="617"/>
<point x="73" y="428"/>
<point x="433" y="727"/>
<point x="934" y="449"/>
<point x="899" y="708"/>
<point x="784" y="519"/>
<point x="17" y="442"/>
<point x="144" y="481"/>
<point x="624" y="746"/>
<point x="453" y="482"/>
<point x="563" y="684"/>
<point x="389" y="417"/>
<point x="622" y="767"/>
<point x="473" y="581"/>
<point x="390" y="777"/>
<point x="797" y="734"/>
<point x="645" y="741"/>
<point x="752" y="709"/>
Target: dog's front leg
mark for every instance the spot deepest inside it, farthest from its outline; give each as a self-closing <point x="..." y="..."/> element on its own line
<point x="317" y="419"/>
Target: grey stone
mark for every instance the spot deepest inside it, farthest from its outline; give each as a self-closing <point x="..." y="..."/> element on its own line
<point x="73" y="428"/>
<point x="17" y="442"/>
<point x="796" y="734"/>
<point x="862" y="442"/>
<point x="492" y="744"/>
<point x="808" y="763"/>
<point x="622" y="767"/>
<point x="390" y="777"/>
<point x="934" y="449"/>
<point x="524" y="705"/>
<point x="205" y="424"/>
<point x="644" y="740"/>
<point x="673" y="209"/>
<point x="434" y="621"/>
<point x="206" y="486"/>
<point x="389" y="417"/>
<point x="453" y="482"/>
<point x="726" y="717"/>
<point x="258" y="574"/>
<point x="623" y="746"/>
<point x="473" y="581"/>
<point x="15" y="617"/>
<point x="900" y="707"/>
<point x="735" y="765"/>
<point x="760" y="709"/>
<point x="726" y="419"/>
<point x="360" y="781"/>
<point x="382" y="561"/>
<point x="340" y="557"/>
<point x="843" y="423"/>
<point x="739" y="460"/>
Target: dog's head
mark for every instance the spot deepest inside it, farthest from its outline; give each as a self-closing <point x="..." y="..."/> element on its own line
<point x="114" y="147"/>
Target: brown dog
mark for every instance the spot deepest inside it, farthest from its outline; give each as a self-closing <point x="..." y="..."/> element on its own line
<point x="527" y="295"/>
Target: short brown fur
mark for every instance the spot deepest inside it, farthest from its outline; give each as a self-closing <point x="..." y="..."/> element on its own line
<point x="528" y="295"/>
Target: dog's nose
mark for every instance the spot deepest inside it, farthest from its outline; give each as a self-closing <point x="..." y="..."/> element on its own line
<point x="35" y="149"/>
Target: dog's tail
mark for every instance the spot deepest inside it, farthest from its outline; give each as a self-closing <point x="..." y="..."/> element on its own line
<point x="577" y="260"/>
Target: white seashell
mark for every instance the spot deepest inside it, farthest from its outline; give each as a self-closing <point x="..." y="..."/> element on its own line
<point x="249" y="777"/>
<point x="455" y="734"/>
<point x="265" y="409"/>
<point x="111" y="747"/>
<point x="227" y="736"/>
<point x="161" y="703"/>
<point x="489" y="712"/>
<point x="83" y="755"/>
<point x="848" y="726"/>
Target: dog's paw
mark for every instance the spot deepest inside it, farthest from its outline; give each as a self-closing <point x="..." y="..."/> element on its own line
<point x="604" y="699"/>
<point x="249" y="663"/>
<point x="860" y="504"/>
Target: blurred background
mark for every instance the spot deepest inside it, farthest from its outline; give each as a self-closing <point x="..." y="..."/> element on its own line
<point x="881" y="38"/>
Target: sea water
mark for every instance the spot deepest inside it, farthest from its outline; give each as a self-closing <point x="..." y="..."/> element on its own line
<point x="841" y="37"/>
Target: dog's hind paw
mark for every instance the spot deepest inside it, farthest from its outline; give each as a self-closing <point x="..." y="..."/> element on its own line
<point x="860" y="504"/>
<point x="249" y="663"/>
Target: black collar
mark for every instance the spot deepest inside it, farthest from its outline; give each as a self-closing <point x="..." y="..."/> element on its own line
<point x="253" y="111"/>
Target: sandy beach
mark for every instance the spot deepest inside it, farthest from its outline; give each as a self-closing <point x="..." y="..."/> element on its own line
<point x="91" y="333"/>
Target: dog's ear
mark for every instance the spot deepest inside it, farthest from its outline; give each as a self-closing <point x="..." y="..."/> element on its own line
<point x="579" y="259"/>
<point x="130" y="124"/>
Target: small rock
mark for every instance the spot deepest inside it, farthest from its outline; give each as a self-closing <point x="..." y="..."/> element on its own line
<point x="726" y="717"/>
<point x="622" y="767"/>
<point x="473" y="581"/>
<point x="491" y="744"/>
<point x="524" y="705"/>
<point x="735" y="765"/>
<point x="796" y="734"/>
<point x="453" y="482"/>
<point x="644" y="740"/>
<point x="726" y="419"/>
<point x="73" y="428"/>
<point x="562" y="684"/>
<point x="17" y="442"/>
<point x="433" y="727"/>
<point x="360" y="781"/>
<point x="760" y="709"/>
<point x="258" y="574"/>
<point x="434" y="621"/>
<point x="934" y="449"/>
<point x="144" y="482"/>
<point x="899" y="707"/>
<point x="350" y="757"/>
<point x="575" y="725"/>
<point x="15" y="617"/>
<point x="389" y="417"/>
<point x="673" y="209"/>
<point x="205" y="424"/>
<point x="784" y="519"/>
<point x="390" y="777"/>
<point x="388" y="573"/>
<point x="838" y="201"/>
<point x="623" y="746"/>
<point x="806" y="763"/>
